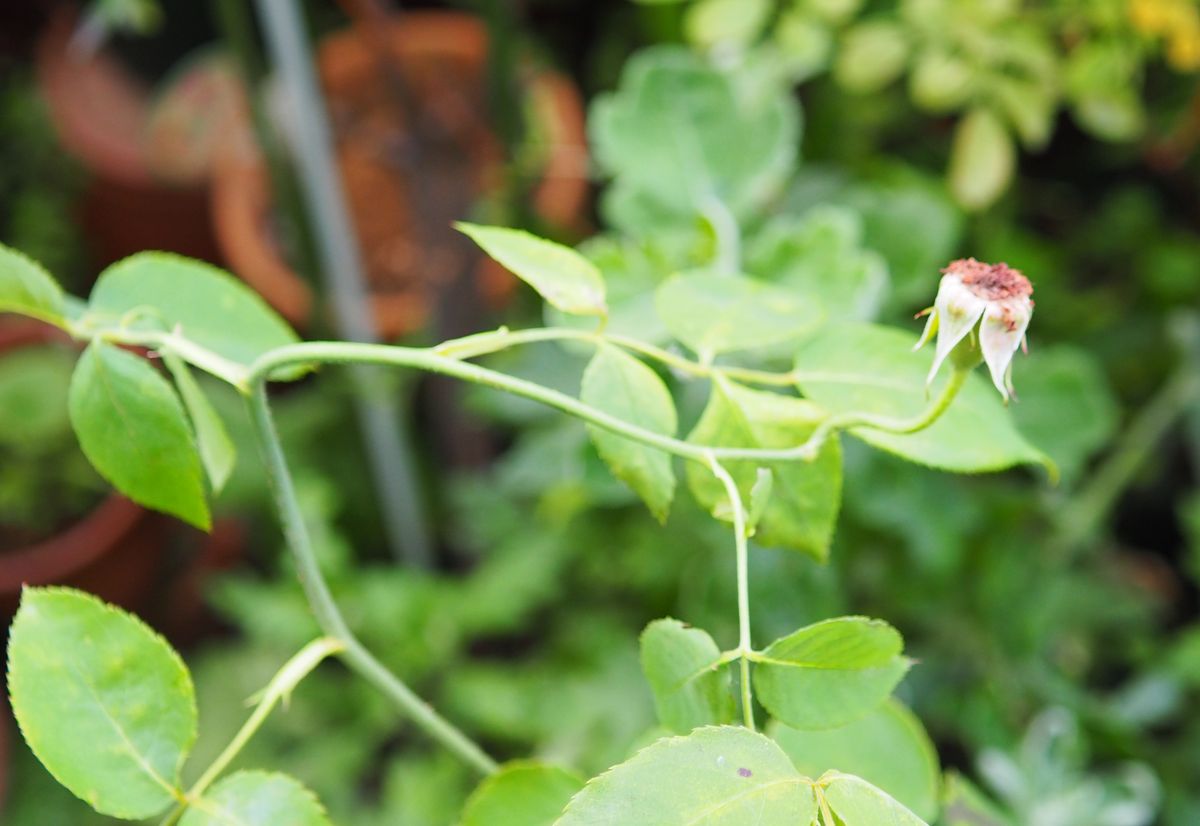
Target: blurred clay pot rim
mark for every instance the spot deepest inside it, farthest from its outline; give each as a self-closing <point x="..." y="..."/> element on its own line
<point x="96" y="534"/>
<point x="98" y="107"/>
<point x="241" y="198"/>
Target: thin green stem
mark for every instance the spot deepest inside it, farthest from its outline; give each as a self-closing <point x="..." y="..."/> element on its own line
<point x="199" y="357"/>
<point x="430" y="360"/>
<point x="743" y="585"/>
<point x="295" y="531"/>
<point x="279" y="688"/>
<point x="1082" y="514"/>
<point x="826" y="815"/>
<point x="846" y="421"/>
<point x="325" y="609"/>
<point x="749" y="375"/>
<point x="501" y="339"/>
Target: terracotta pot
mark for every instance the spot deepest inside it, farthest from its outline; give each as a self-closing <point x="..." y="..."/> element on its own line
<point x="431" y="51"/>
<point x="100" y="114"/>
<point x="115" y="551"/>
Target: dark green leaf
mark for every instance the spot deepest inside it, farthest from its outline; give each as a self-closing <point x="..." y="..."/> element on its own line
<point x="104" y="702"/>
<point x="133" y="429"/>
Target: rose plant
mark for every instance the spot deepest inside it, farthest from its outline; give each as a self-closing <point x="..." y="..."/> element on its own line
<point x="108" y="706"/>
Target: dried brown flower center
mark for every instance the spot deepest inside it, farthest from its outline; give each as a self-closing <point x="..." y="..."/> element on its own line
<point x="991" y="282"/>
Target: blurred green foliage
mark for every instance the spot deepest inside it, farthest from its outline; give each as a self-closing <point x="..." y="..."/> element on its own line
<point x="1056" y="628"/>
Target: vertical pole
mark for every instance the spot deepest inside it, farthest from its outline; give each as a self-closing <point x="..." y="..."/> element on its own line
<point x="388" y="450"/>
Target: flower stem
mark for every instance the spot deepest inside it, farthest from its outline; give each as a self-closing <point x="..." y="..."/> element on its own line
<point x="743" y="586"/>
<point x="890" y="424"/>
<point x="430" y="360"/>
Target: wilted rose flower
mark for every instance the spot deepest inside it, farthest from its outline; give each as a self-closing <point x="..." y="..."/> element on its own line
<point x="970" y="291"/>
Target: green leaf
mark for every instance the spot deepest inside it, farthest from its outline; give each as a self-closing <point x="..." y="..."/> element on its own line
<point x="715" y="314"/>
<point x="104" y="702"/>
<point x="805" y="496"/>
<point x="820" y="256"/>
<point x="26" y="288"/>
<point x="941" y="81"/>
<point x="667" y="133"/>
<point x="727" y="776"/>
<point x="1030" y="106"/>
<point x="760" y="497"/>
<point x="833" y="11"/>
<point x="872" y="55"/>
<point x="212" y="439"/>
<point x="1102" y="78"/>
<point x="256" y="798"/>
<point x="33" y="400"/>
<point x="523" y="793"/>
<point x="982" y="159"/>
<point x="857" y="803"/>
<point x="871" y="369"/>
<point x="622" y="386"/>
<point x="679" y="662"/>
<point x="132" y="428"/>
<point x="161" y="291"/>
<point x="801" y="43"/>
<point x="1066" y="408"/>
<point x="907" y="217"/>
<point x="740" y="22"/>
<point x="830" y="673"/>
<point x="888" y="748"/>
<point x="561" y="275"/>
<point x="631" y="269"/>
<point x="965" y="805"/>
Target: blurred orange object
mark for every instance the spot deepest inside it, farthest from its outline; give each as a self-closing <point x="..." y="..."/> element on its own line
<point x="101" y="114"/>
<point x="440" y="58"/>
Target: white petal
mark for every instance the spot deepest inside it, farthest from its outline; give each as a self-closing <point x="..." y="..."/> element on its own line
<point x="931" y="326"/>
<point x="957" y="309"/>
<point x="1000" y="335"/>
